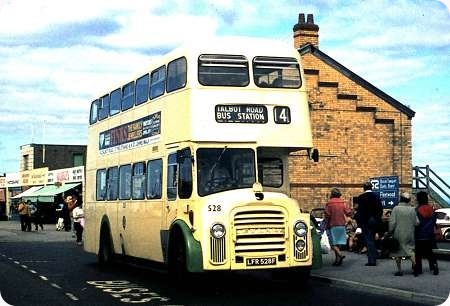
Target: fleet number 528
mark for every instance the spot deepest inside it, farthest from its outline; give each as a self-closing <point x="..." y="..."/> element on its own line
<point x="213" y="207"/>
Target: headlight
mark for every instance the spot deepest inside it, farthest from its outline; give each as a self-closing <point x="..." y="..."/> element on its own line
<point x="300" y="229"/>
<point x="300" y="245"/>
<point x="218" y="230"/>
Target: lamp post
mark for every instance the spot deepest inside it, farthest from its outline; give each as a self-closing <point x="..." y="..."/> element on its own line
<point x="43" y="142"/>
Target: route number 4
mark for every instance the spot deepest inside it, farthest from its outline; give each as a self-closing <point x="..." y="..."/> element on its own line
<point x="282" y="114"/>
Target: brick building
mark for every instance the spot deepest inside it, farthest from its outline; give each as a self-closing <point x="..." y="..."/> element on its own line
<point x="54" y="157"/>
<point x="360" y="131"/>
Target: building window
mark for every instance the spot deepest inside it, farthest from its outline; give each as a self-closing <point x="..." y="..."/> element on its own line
<point x="26" y="160"/>
<point x="78" y="159"/>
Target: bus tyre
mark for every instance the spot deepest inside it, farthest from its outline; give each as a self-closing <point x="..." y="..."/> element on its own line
<point x="105" y="249"/>
<point x="177" y="259"/>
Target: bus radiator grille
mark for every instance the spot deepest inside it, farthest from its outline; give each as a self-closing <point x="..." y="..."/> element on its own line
<point x="297" y="254"/>
<point x="259" y="231"/>
<point x="218" y="251"/>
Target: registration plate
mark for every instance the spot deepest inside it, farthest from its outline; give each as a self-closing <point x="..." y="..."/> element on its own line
<point x="264" y="261"/>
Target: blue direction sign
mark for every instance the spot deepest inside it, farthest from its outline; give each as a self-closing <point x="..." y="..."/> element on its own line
<point x="387" y="189"/>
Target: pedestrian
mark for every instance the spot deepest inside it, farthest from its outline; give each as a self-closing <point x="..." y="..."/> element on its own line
<point x="336" y="213"/>
<point x="35" y="215"/>
<point x="78" y="218"/>
<point x="65" y="214"/>
<point x="402" y="225"/>
<point x="350" y="228"/>
<point x="425" y="234"/>
<point x="24" y="216"/>
<point x="368" y="217"/>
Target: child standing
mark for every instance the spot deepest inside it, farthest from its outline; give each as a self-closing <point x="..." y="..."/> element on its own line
<point x="78" y="219"/>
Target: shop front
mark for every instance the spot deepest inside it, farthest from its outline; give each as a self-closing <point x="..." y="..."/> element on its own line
<point x="48" y="198"/>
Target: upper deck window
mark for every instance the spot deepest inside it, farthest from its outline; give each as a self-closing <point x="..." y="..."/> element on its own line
<point x="128" y="96"/>
<point x="103" y="111"/>
<point x="94" y="112"/>
<point x="157" y="82"/>
<point x="142" y="89"/>
<point x="176" y="74"/>
<point x="223" y="70"/>
<point x="115" y="97"/>
<point x="276" y="72"/>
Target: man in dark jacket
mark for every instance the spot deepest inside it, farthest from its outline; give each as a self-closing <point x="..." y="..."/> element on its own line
<point x="368" y="217"/>
<point x="425" y="233"/>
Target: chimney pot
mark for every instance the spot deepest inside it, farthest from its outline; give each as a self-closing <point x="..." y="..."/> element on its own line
<point x="306" y="32"/>
<point x="301" y="18"/>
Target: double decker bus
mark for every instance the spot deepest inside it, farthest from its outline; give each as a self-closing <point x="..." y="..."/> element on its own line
<point x="187" y="164"/>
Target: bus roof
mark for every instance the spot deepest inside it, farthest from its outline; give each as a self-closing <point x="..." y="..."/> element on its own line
<point x="237" y="45"/>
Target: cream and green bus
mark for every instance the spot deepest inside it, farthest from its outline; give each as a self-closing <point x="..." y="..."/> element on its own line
<point x="187" y="163"/>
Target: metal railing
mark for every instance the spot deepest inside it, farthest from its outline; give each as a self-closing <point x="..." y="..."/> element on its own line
<point x="426" y="179"/>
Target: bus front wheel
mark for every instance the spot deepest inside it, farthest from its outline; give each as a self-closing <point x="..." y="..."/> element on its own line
<point x="105" y="249"/>
<point x="177" y="259"/>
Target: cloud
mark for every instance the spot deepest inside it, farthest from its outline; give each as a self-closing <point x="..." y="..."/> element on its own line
<point x="41" y="15"/>
<point x="143" y="31"/>
<point x="431" y="137"/>
<point x="379" y="69"/>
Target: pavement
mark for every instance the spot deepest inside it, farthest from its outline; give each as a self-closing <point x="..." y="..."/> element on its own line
<point x="427" y="288"/>
<point x="10" y="231"/>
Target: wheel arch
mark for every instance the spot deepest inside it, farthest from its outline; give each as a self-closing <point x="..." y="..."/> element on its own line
<point x="194" y="257"/>
<point x="105" y="229"/>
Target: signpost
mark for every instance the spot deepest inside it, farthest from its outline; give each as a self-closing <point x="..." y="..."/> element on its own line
<point x="387" y="189"/>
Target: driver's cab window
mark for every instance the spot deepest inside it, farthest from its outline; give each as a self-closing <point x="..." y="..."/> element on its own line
<point x="172" y="169"/>
<point x="184" y="160"/>
<point x="179" y="174"/>
<point x="270" y="172"/>
<point x="273" y="169"/>
<point x="222" y="169"/>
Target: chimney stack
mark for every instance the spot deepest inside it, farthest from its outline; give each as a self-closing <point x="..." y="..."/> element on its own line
<point x="306" y="32"/>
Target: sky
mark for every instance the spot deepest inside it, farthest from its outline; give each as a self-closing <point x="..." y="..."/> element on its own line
<point x="56" y="56"/>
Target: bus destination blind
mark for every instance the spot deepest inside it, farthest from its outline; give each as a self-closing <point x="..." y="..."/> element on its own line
<point x="241" y="113"/>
